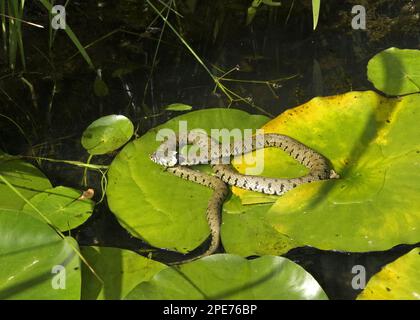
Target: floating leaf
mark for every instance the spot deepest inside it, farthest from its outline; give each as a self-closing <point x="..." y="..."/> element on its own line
<point x="246" y="232"/>
<point x="26" y="178"/>
<point x="399" y="280"/>
<point x="121" y="270"/>
<point x="107" y="134"/>
<point x="178" y="107"/>
<point x="395" y="71"/>
<point x="224" y="276"/>
<point x="61" y="205"/>
<point x="271" y="3"/>
<point x="373" y="145"/>
<point x="31" y="255"/>
<point x="156" y="205"/>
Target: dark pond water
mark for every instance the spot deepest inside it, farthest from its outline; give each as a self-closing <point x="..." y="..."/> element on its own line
<point x="123" y="37"/>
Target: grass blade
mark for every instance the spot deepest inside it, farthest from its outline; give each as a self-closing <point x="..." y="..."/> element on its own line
<point x="316" y="4"/>
<point x="72" y="36"/>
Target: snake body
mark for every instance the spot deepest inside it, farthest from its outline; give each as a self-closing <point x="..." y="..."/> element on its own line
<point x="224" y="174"/>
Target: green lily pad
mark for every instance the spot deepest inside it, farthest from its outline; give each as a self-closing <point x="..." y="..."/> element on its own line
<point x="107" y="134"/>
<point x="26" y="178"/>
<point x="224" y="276"/>
<point x="120" y="270"/>
<point x="62" y="206"/>
<point x="373" y="145"/>
<point x="395" y="71"/>
<point x="156" y="205"/>
<point x="246" y="232"/>
<point x="31" y="252"/>
<point x="399" y="280"/>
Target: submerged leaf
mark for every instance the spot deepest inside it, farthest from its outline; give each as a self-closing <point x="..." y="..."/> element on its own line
<point x="100" y="88"/>
<point x="372" y="143"/>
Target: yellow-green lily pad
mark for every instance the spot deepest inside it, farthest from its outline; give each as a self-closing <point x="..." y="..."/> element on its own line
<point x="63" y="207"/>
<point x="399" y="280"/>
<point x="372" y="143"/>
<point x="107" y="134"/>
<point x="395" y="71"/>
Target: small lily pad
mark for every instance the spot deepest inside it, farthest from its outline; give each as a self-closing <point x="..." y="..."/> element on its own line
<point x="395" y="71"/>
<point x="62" y="206"/>
<point x="107" y="134"/>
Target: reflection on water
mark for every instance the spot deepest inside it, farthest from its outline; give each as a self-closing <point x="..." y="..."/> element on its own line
<point x="280" y="61"/>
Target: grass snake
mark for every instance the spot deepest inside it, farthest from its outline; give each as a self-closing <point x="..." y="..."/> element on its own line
<point x="219" y="159"/>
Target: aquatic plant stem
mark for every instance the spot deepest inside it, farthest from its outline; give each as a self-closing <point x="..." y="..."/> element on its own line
<point x="232" y="96"/>
<point x="84" y="182"/>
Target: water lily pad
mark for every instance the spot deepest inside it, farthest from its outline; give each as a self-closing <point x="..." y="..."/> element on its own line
<point x="154" y="204"/>
<point x="26" y="178"/>
<point x="395" y="71"/>
<point x="399" y="280"/>
<point x="107" y="134"/>
<point x="373" y="144"/>
<point x="120" y="270"/>
<point x="225" y="276"/>
<point x="62" y="206"/>
<point x="246" y="232"/>
<point x="31" y="253"/>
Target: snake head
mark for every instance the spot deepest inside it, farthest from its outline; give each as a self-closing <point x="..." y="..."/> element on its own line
<point x="167" y="160"/>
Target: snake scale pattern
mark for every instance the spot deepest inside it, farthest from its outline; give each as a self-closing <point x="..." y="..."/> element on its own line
<point x="224" y="174"/>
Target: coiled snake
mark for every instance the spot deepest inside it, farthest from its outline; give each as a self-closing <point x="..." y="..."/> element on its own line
<point x="219" y="159"/>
